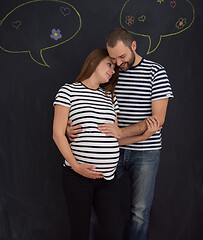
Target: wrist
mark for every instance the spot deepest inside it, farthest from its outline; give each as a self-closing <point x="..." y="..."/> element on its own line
<point x="75" y="166"/>
<point x="144" y="137"/>
<point x="120" y="133"/>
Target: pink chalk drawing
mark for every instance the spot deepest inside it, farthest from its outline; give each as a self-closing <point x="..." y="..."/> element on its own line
<point x="173" y="4"/>
<point x="16" y="24"/>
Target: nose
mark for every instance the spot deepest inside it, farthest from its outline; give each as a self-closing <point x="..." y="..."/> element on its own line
<point x="118" y="62"/>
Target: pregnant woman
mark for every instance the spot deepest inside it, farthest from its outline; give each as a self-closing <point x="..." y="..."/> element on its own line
<point x="91" y="160"/>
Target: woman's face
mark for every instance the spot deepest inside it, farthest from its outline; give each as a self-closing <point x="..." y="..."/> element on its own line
<point x="105" y="70"/>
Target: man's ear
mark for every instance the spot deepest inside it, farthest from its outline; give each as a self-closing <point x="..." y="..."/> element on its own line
<point x="134" y="45"/>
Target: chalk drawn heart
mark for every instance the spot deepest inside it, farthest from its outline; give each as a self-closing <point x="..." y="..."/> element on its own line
<point x="173" y="4"/>
<point x="65" y="11"/>
<point x="16" y="24"/>
<point x="142" y="18"/>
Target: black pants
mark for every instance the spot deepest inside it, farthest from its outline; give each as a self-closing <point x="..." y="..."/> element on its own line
<point x="81" y="194"/>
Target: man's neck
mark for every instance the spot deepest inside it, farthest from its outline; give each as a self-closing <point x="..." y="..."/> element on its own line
<point x="138" y="59"/>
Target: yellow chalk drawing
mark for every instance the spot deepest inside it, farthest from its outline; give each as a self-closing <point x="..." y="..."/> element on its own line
<point x="160" y="1"/>
<point x="142" y="18"/>
<point x="161" y="36"/>
<point x="41" y="50"/>
<point x="181" y="23"/>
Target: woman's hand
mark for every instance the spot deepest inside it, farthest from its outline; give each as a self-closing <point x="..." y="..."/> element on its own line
<point x="110" y="129"/>
<point x="87" y="170"/>
<point x="152" y="127"/>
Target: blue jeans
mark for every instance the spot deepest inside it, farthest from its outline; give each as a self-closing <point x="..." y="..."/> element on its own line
<point x="142" y="168"/>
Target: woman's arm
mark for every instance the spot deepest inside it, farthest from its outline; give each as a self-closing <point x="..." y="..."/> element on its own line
<point x="152" y="127"/>
<point x="59" y="129"/>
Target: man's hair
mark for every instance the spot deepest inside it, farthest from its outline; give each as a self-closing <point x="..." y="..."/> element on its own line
<point x="119" y="34"/>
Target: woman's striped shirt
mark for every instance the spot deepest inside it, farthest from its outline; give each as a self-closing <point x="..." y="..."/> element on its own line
<point x="89" y="108"/>
<point x="135" y="91"/>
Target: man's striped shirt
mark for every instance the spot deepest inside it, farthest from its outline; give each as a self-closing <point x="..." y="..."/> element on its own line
<point x="89" y="108"/>
<point x="135" y="91"/>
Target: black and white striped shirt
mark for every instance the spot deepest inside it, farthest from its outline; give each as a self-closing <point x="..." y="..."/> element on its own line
<point x="89" y="108"/>
<point x="135" y="91"/>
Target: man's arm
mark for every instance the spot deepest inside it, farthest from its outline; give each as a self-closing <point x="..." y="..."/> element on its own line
<point x="159" y="108"/>
<point x="152" y="127"/>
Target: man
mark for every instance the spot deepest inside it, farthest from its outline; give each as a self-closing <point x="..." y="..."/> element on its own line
<point x="142" y="91"/>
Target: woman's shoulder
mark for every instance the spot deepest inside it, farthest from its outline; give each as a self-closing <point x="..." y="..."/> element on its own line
<point x="71" y="86"/>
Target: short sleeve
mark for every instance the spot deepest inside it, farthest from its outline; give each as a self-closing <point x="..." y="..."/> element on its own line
<point x="63" y="97"/>
<point x="115" y="104"/>
<point x="161" y="87"/>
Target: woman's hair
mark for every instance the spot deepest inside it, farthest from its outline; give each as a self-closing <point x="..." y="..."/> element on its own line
<point x="119" y="34"/>
<point x="90" y="65"/>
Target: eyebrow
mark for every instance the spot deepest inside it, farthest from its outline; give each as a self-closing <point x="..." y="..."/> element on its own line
<point x="122" y="55"/>
<point x="119" y="56"/>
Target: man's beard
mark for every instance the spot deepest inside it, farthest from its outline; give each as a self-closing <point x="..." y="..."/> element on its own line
<point x="129" y="63"/>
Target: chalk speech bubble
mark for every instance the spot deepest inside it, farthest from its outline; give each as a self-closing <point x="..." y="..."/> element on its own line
<point x="156" y="19"/>
<point x="39" y="25"/>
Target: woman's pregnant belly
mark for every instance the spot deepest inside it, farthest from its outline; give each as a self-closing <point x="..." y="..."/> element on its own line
<point x="95" y="148"/>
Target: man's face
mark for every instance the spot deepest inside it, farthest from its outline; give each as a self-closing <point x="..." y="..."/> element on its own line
<point x="122" y="55"/>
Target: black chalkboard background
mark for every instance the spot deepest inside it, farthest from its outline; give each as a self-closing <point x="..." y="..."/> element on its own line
<point x="32" y="205"/>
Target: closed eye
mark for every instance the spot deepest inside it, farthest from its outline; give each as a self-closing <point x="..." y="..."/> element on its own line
<point x="111" y="65"/>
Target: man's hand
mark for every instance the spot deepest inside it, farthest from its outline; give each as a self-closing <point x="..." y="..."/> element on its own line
<point x="110" y="129"/>
<point x="87" y="170"/>
<point x="153" y="126"/>
<point x="72" y="131"/>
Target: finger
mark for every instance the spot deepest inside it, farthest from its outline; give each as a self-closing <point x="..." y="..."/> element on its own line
<point x="71" y="139"/>
<point x="150" y="119"/>
<point x="92" y="177"/>
<point x="91" y="174"/>
<point x="153" y="123"/>
<point x="75" y="131"/>
<point x="89" y="166"/>
<point x="106" y="131"/>
<point x="69" y="122"/>
<point x="97" y="175"/>
<point x="76" y="127"/>
<point x="104" y="128"/>
<point x="150" y="123"/>
<point x="73" y="135"/>
<point x="92" y="169"/>
<point x="103" y="125"/>
<point x="157" y="122"/>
